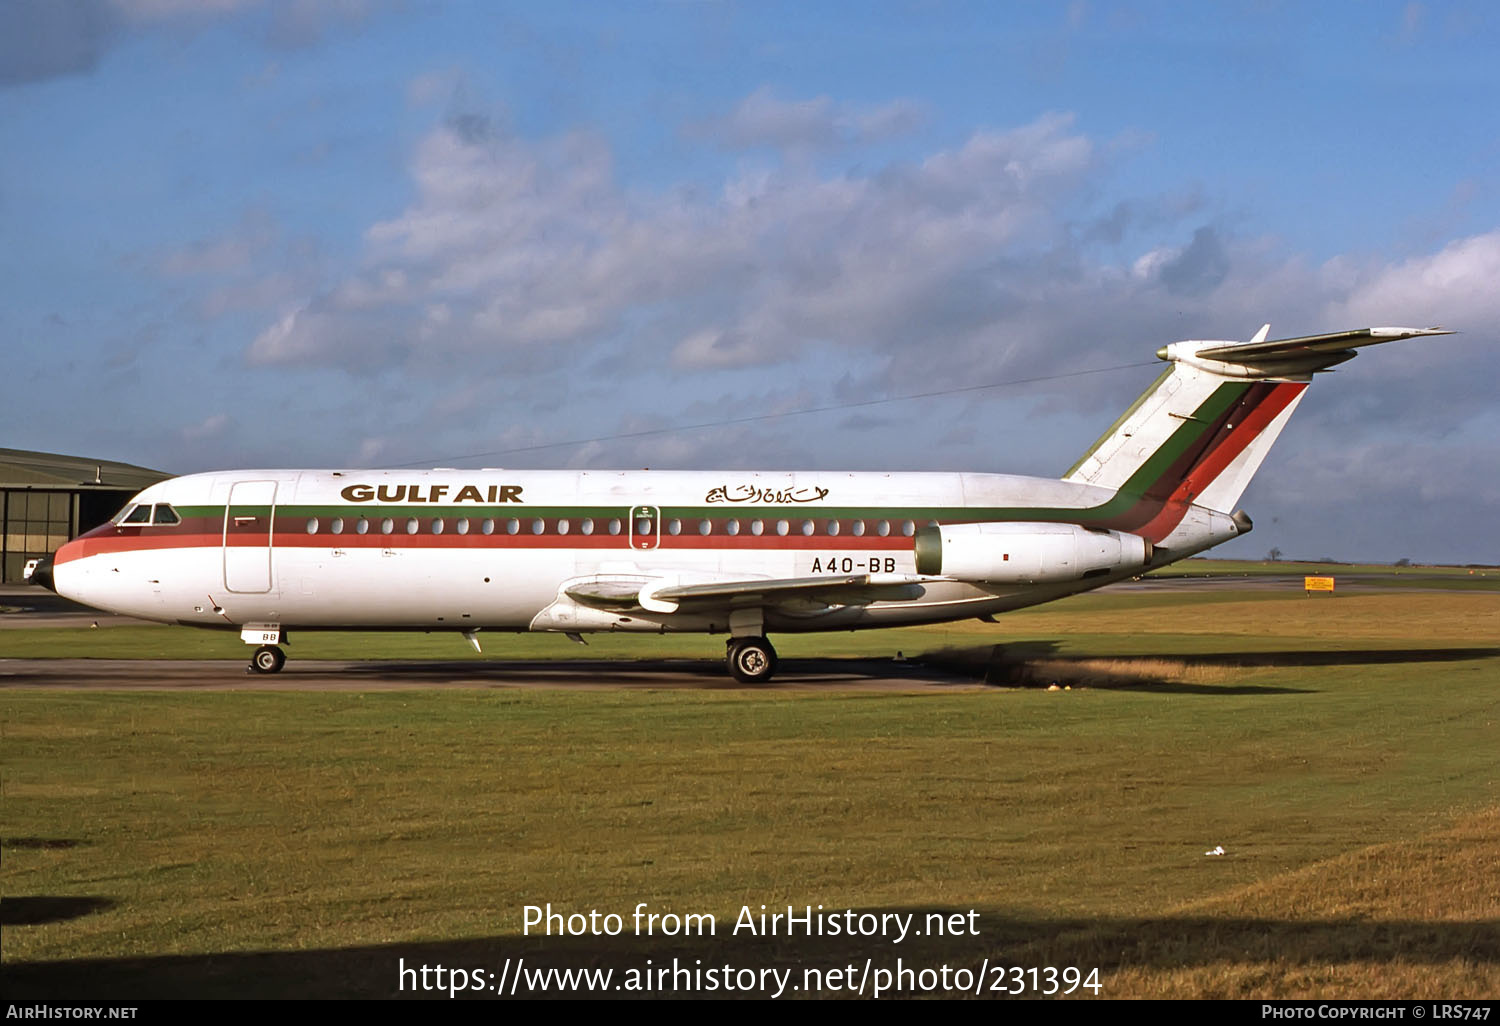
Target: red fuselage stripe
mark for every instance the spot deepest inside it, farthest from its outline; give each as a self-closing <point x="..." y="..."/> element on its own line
<point x="93" y="546"/>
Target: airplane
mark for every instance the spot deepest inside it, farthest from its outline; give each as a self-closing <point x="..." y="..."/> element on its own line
<point x="743" y="554"/>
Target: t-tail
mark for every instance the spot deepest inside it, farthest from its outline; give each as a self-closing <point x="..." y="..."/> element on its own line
<point x="1199" y="433"/>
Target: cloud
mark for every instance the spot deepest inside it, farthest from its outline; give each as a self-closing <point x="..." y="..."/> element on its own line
<point x="1009" y="255"/>
<point x="298" y="24"/>
<point x="989" y="250"/>
<point x="42" y="39"/>
<point x="228" y="252"/>
<point x="1455" y="285"/>
<point x="1199" y="268"/>
<point x="46" y="39"/>
<point x="210" y="427"/>
<point x="761" y="119"/>
<point x="528" y="243"/>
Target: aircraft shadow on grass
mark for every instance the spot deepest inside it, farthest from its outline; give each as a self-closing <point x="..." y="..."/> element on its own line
<point x="34" y="910"/>
<point x="1031" y="663"/>
<point x="992" y="664"/>
<point x="1039" y="663"/>
<point x="1160" y="944"/>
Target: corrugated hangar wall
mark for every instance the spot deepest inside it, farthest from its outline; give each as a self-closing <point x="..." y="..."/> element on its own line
<point x="47" y="498"/>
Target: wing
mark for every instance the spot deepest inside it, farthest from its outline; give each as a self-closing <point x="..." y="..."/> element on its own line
<point x="665" y="596"/>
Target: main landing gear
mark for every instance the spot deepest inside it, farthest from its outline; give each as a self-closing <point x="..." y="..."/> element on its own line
<point x="750" y="660"/>
<point x="268" y="659"/>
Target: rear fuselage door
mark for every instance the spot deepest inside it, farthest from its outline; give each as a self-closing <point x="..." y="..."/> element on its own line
<point x="247" y="536"/>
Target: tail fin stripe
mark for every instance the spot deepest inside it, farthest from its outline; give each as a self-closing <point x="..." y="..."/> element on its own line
<point x="1170" y="513"/>
<point x="1234" y="421"/>
<point x="1196" y="453"/>
<point x="1237" y="437"/>
<point x="1178" y="453"/>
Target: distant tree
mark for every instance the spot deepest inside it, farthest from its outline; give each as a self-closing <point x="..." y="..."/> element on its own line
<point x="1273" y="555"/>
<point x="1403" y="561"/>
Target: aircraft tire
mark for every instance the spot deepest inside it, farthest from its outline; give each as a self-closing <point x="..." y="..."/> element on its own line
<point x="751" y="660"/>
<point x="268" y="659"/>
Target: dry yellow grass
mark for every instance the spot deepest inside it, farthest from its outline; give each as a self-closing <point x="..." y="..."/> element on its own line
<point x="1461" y="618"/>
<point x="1403" y="920"/>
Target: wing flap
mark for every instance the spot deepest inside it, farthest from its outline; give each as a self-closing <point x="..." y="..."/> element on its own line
<point x="753" y="588"/>
<point x="665" y="595"/>
<point x="608" y="593"/>
<point x="843" y="589"/>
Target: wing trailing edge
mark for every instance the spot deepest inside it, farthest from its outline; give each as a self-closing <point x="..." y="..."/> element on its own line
<point x="664" y="595"/>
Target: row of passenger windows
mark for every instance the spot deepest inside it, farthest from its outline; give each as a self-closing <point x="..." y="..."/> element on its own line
<point x="587" y="525"/>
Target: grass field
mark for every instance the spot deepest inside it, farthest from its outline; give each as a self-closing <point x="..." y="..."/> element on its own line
<point x="1345" y="753"/>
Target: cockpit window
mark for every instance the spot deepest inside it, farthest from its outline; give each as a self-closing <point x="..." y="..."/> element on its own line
<point x="142" y="514"/>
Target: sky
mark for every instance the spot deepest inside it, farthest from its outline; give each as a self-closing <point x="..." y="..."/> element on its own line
<point x="358" y="233"/>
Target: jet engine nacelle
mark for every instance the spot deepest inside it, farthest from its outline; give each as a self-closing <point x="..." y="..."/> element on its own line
<point x="1026" y="553"/>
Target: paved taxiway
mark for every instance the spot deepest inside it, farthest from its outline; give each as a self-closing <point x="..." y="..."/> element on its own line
<point x="571" y="674"/>
<point x="31" y="607"/>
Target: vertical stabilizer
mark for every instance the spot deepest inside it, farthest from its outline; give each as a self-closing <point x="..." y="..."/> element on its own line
<point x="1202" y="429"/>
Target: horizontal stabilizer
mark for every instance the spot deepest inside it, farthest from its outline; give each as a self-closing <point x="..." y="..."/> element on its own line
<point x="1297" y="357"/>
<point x="1304" y="345"/>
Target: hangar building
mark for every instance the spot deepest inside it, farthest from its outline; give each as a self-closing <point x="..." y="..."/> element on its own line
<point x="46" y="499"/>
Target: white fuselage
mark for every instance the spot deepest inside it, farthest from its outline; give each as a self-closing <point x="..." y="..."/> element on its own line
<point x="499" y="550"/>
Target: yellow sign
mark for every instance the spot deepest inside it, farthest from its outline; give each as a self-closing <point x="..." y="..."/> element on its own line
<point x="1318" y="583"/>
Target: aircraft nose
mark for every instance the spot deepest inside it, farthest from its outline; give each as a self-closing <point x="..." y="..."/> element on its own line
<point x="42" y="574"/>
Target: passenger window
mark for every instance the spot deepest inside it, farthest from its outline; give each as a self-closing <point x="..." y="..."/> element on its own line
<point x="782" y="527"/>
<point x="586" y="525"/>
<point x="462" y="527"/>
<point x="858" y="529"/>
<point x="336" y="525"/>
<point x="387" y="526"/>
<point x="361" y="526"/>
<point x="705" y="527"/>
<point x="807" y="527"/>
<point x="756" y="527"/>
<point x="487" y="526"/>
<point x="437" y="525"/>
<point x="413" y="525"/>
<point x="614" y="526"/>
<point x="538" y="525"/>
<point x="833" y="527"/>
<point x="165" y="515"/>
<point x="883" y="528"/>
<point x="562" y="527"/>
<point x="312" y="525"/>
<point x="674" y="526"/>
<point x="733" y="527"/>
<point x="512" y="526"/>
<point x="908" y="528"/>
